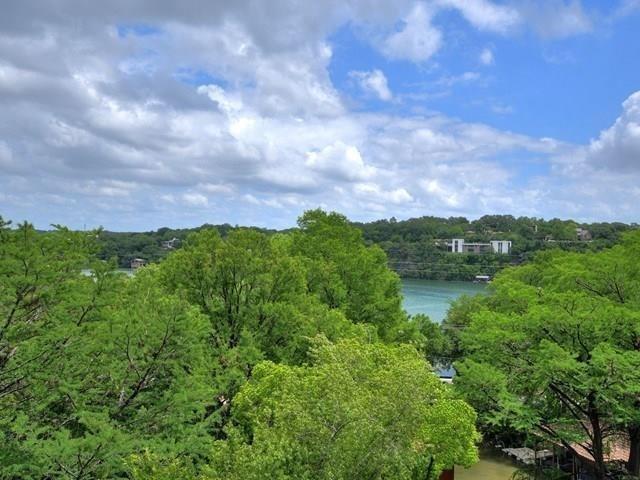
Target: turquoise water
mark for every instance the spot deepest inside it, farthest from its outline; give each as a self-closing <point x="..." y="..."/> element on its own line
<point x="433" y="297"/>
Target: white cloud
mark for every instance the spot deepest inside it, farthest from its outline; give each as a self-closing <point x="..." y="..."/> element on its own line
<point x="268" y="130"/>
<point x="375" y="194"/>
<point x="216" y="188"/>
<point x="225" y="102"/>
<point x="466" y="77"/>
<point x="247" y="197"/>
<point x="195" y="199"/>
<point x="418" y="40"/>
<point x="374" y="82"/>
<point x="486" y="57"/>
<point x="447" y="196"/>
<point x="341" y="162"/>
<point x="486" y="15"/>
<point x="556" y="18"/>
<point x="618" y="147"/>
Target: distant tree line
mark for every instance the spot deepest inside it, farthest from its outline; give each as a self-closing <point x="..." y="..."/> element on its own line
<point x="125" y="246"/>
<point x="416" y="248"/>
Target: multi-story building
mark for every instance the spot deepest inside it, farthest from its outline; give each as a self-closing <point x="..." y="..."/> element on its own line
<point x="458" y="245"/>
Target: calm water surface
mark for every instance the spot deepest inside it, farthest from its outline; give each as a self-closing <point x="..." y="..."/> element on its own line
<point x="490" y="467"/>
<point x="433" y="297"/>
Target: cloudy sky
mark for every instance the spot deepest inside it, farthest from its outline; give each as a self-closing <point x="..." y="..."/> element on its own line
<point x="137" y="115"/>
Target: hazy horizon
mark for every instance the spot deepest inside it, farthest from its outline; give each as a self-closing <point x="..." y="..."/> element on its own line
<point x="47" y="227"/>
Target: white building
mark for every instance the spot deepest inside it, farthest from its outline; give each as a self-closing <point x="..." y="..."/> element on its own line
<point x="458" y="245"/>
<point x="501" y="246"/>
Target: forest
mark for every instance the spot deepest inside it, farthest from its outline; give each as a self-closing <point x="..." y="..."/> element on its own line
<point x="415" y="247"/>
<point x="252" y="356"/>
<point x="288" y="355"/>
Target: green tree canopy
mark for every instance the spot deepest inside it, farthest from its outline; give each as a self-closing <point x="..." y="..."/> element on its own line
<point x="358" y="411"/>
<point x="556" y="350"/>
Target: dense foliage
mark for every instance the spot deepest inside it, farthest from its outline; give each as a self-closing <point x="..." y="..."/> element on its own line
<point x="123" y="247"/>
<point x="554" y="351"/>
<point x="416" y="248"/>
<point x="217" y="362"/>
<point x="358" y="411"/>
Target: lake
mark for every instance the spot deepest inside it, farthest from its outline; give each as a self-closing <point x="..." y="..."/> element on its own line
<point x="433" y="297"/>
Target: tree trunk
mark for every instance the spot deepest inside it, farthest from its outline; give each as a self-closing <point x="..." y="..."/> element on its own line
<point x="597" y="444"/>
<point x="598" y="456"/>
<point x="633" y="464"/>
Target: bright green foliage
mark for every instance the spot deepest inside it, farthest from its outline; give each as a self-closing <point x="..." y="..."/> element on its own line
<point x="93" y="367"/>
<point x="98" y="370"/>
<point x="359" y="411"/>
<point x="556" y="349"/>
<point x="41" y="288"/>
<point x="348" y="275"/>
<point x="148" y="466"/>
<point x="435" y="344"/>
<point x="458" y="318"/>
<point x="255" y="294"/>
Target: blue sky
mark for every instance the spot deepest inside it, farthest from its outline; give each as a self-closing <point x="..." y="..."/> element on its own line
<point x="566" y="88"/>
<point x="157" y="114"/>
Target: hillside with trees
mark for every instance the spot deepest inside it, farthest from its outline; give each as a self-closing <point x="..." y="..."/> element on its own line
<point x="152" y="246"/>
<point x="288" y="355"/>
<point x="416" y="248"/>
<point x="245" y="357"/>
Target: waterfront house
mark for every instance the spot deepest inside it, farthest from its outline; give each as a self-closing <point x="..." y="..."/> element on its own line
<point x="459" y="245"/>
<point x="137" y="263"/>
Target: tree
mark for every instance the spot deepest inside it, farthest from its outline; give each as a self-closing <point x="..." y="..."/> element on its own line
<point x="40" y="285"/>
<point x="358" y="411"/>
<point x="556" y="350"/>
<point x="94" y="366"/>
<point x="255" y="294"/>
<point x="354" y="278"/>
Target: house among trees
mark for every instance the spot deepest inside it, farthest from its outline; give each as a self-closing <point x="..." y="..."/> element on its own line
<point x="170" y="244"/>
<point x="458" y="245"/>
<point x="583" y="234"/>
<point x="137" y="263"/>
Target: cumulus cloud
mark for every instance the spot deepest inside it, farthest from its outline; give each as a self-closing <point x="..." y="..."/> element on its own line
<point x="417" y="40"/>
<point x="195" y="199"/>
<point x="341" y="162"/>
<point x="374" y="82"/>
<point x="227" y="108"/>
<point x="486" y="15"/>
<point x="618" y="147"/>
<point x="486" y="57"/>
<point x="376" y="194"/>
